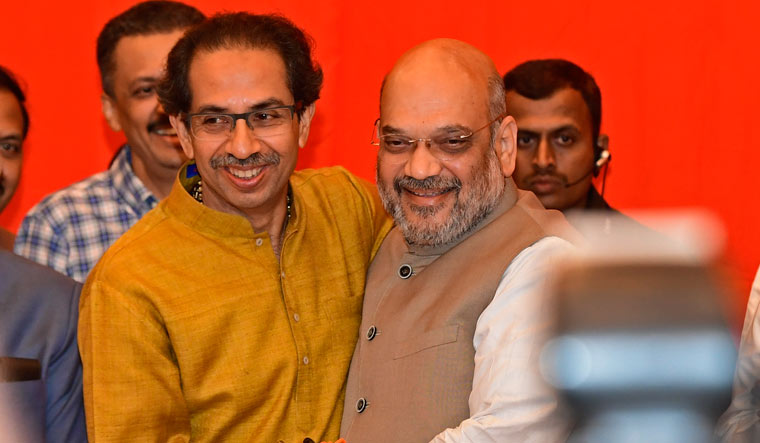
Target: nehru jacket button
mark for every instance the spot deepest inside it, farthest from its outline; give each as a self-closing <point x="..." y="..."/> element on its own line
<point x="371" y="332"/>
<point x="361" y="405"/>
<point x="259" y="242"/>
<point x="405" y="271"/>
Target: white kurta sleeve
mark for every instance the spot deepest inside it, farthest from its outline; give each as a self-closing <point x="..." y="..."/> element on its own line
<point x="741" y="422"/>
<point x="510" y="402"/>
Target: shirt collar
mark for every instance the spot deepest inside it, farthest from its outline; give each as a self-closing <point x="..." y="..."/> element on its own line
<point x="595" y="201"/>
<point x="128" y="185"/>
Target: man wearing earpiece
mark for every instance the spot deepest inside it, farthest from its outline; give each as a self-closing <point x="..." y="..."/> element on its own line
<point x="558" y="109"/>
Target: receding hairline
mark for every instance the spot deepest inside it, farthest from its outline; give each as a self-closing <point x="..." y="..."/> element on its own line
<point x="465" y="58"/>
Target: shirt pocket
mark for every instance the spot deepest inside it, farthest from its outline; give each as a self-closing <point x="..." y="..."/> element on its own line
<point x="430" y="339"/>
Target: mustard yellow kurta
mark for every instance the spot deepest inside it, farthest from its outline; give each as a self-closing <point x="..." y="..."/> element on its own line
<point x="190" y="328"/>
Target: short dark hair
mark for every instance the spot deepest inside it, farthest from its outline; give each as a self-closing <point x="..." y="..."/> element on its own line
<point x="538" y="79"/>
<point x="9" y="83"/>
<point x="241" y="29"/>
<point x="146" y="18"/>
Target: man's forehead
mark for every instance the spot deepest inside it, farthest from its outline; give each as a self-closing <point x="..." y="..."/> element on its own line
<point x="433" y="96"/>
<point x="564" y="107"/>
<point x="238" y="76"/>
<point x="425" y="71"/>
<point x="10" y="110"/>
<point x="431" y="115"/>
<point x="143" y="55"/>
<point x="238" y="60"/>
<point x="438" y="73"/>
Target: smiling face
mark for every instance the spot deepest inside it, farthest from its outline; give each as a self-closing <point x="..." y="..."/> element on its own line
<point x="134" y="107"/>
<point x="433" y="200"/>
<point x="11" y="127"/>
<point x="555" y="147"/>
<point x="243" y="174"/>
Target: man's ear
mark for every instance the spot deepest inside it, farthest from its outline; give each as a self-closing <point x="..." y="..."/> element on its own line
<point x="602" y="142"/>
<point x="108" y="106"/>
<point x="183" y="134"/>
<point x="506" y="145"/>
<point x="304" y="124"/>
<point x="601" y="153"/>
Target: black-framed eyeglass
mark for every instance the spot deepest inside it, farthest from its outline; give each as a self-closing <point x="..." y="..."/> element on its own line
<point x="217" y="126"/>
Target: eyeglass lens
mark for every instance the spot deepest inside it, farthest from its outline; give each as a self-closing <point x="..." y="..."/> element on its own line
<point x="445" y="147"/>
<point x="264" y="123"/>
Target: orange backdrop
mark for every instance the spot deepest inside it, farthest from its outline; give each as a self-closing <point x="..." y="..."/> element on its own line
<point x="679" y="83"/>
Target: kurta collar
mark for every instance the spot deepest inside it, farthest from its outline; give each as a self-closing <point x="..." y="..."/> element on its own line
<point x="183" y="206"/>
<point x="508" y="200"/>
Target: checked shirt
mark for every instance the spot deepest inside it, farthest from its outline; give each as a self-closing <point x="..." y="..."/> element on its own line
<point x="70" y="229"/>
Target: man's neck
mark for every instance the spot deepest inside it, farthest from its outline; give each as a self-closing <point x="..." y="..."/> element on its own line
<point x="274" y="224"/>
<point x="157" y="179"/>
<point x="581" y="204"/>
<point x="268" y="217"/>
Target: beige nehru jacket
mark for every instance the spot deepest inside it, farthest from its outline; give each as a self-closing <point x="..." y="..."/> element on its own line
<point x="411" y="373"/>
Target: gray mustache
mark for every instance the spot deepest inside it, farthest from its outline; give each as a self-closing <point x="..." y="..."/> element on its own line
<point x="432" y="182"/>
<point x="255" y="159"/>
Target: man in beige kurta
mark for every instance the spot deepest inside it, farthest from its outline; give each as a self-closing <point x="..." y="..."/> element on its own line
<point x="454" y="314"/>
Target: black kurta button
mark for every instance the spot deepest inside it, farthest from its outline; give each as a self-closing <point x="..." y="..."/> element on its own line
<point x="405" y="271"/>
<point x="371" y="332"/>
<point x="361" y="405"/>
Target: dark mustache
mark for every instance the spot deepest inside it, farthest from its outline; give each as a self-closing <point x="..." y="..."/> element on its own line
<point x="551" y="171"/>
<point x="162" y="122"/>
<point x="255" y="159"/>
<point x="432" y="182"/>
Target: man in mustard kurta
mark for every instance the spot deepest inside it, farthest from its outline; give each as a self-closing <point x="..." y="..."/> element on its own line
<point x="230" y="311"/>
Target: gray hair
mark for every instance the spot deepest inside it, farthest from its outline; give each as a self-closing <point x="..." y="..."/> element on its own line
<point x="497" y="102"/>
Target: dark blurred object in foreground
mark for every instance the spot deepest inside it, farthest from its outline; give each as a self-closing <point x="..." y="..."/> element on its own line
<point x="642" y="351"/>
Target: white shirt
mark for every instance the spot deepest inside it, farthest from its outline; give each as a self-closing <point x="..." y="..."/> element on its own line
<point x="510" y="401"/>
<point x="741" y="422"/>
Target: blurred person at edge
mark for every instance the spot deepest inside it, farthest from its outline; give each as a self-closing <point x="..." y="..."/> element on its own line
<point x="70" y="229"/>
<point x="230" y="311"/>
<point x="40" y="371"/>
<point x="558" y="110"/>
<point x="741" y="422"/>
<point x="455" y="313"/>
<point x="14" y="125"/>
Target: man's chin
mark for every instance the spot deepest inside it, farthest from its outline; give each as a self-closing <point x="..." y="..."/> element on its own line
<point x="426" y="214"/>
<point x="425" y="218"/>
<point x="550" y="201"/>
<point x="159" y="141"/>
<point x="169" y="154"/>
